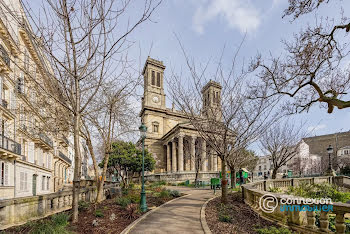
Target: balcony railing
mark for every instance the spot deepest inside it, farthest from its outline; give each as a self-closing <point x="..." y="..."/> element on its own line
<point x="64" y="157"/>
<point x="10" y="145"/>
<point x="45" y="138"/>
<point x="65" y="140"/>
<point x="4" y="55"/>
<point x="4" y="103"/>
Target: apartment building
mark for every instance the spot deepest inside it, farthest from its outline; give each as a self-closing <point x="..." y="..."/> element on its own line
<point x="33" y="160"/>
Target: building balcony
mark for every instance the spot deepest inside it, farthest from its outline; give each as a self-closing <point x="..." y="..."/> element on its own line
<point x="6" y="110"/>
<point x="5" y="56"/>
<point x="64" y="157"/>
<point x="43" y="140"/>
<point x="63" y="140"/>
<point x="9" y="148"/>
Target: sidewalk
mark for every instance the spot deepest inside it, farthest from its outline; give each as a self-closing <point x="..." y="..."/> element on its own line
<point x="180" y="216"/>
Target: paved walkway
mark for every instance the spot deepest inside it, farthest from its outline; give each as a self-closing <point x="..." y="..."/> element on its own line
<point x="180" y="216"/>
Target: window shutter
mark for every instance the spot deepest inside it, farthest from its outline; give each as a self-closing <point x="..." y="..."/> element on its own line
<point x="6" y="174"/>
<point x="13" y="100"/>
<point x="31" y="152"/>
<point x="49" y="161"/>
<point x="1" y="80"/>
<point x="25" y="180"/>
<point x="21" y="179"/>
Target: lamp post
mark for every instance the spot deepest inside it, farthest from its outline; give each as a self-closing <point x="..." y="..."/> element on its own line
<point x="143" y="204"/>
<point x="330" y="151"/>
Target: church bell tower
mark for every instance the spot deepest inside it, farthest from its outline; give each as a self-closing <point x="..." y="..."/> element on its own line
<point x="153" y="73"/>
<point x="211" y="94"/>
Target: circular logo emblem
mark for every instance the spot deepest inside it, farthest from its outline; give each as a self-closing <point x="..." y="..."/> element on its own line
<point x="268" y="203"/>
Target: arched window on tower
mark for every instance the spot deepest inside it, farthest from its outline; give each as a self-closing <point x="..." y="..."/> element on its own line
<point x="155" y="127"/>
<point x="158" y="79"/>
<point x="153" y="78"/>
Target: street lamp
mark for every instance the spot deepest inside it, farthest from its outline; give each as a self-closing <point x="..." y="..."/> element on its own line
<point x="330" y="151"/>
<point x="143" y="204"/>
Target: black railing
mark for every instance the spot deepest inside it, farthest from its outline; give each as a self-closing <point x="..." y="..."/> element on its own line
<point x="45" y="138"/>
<point x="64" y="157"/>
<point x="10" y="145"/>
<point x="4" y="55"/>
<point x="4" y="103"/>
<point x="65" y="140"/>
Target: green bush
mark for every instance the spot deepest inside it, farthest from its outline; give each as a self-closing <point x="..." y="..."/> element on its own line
<point x="99" y="213"/>
<point x="319" y="191"/>
<point x="174" y="193"/>
<point x="225" y="218"/>
<point x="125" y="191"/>
<point x="275" y="190"/>
<point x="56" y="225"/>
<point x="60" y="219"/>
<point x="273" y="230"/>
<point x="164" y="193"/>
<point x="157" y="184"/>
<point x="123" y="201"/>
<point x="83" y="205"/>
<point x="181" y="184"/>
<point x="134" y="198"/>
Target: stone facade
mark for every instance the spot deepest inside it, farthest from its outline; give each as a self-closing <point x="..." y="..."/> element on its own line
<point x="318" y="146"/>
<point x="33" y="159"/>
<point x="172" y="141"/>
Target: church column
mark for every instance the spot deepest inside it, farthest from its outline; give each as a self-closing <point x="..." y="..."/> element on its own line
<point x="168" y="160"/>
<point x="193" y="152"/>
<point x="173" y="156"/>
<point x="215" y="161"/>
<point x="187" y="157"/>
<point x="204" y="156"/>
<point x="181" y="153"/>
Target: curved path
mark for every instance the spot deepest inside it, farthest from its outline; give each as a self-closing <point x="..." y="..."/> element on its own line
<point x="179" y="216"/>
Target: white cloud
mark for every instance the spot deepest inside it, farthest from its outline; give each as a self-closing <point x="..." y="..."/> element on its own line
<point x="238" y="14"/>
<point x="316" y="128"/>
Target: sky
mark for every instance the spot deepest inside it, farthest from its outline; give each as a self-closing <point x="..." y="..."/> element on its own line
<point x="204" y="27"/>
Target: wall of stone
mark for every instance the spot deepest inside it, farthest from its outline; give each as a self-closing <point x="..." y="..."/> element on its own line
<point x="181" y="176"/>
<point x="18" y="211"/>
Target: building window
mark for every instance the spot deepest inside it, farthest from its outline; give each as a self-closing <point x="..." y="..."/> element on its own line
<point x="48" y="183"/>
<point x="158" y="79"/>
<point x="23" y="181"/>
<point x="264" y="167"/>
<point x="259" y="168"/>
<point x="153" y="78"/>
<point x="43" y="183"/>
<point x="155" y="127"/>
<point x="4" y="174"/>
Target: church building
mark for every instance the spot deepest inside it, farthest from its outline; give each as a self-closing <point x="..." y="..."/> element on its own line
<point x="172" y="140"/>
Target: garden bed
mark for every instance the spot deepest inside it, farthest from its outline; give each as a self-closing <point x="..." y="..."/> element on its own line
<point x="109" y="216"/>
<point x="237" y="217"/>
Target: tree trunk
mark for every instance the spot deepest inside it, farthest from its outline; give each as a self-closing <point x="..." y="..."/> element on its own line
<point x="274" y="173"/>
<point x="223" y="182"/>
<point x="94" y="162"/>
<point x="233" y="177"/>
<point x="77" y="168"/>
<point x="99" y="197"/>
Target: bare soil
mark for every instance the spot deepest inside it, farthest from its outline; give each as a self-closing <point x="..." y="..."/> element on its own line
<point x="243" y="218"/>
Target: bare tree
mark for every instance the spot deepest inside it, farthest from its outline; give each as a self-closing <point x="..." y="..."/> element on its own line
<point x="82" y="42"/>
<point x="281" y="141"/>
<point x="217" y="107"/>
<point x="241" y="159"/>
<point x="110" y="116"/>
<point x="314" y="68"/>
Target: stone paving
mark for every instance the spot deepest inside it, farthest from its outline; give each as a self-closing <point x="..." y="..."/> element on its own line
<point x="180" y="216"/>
